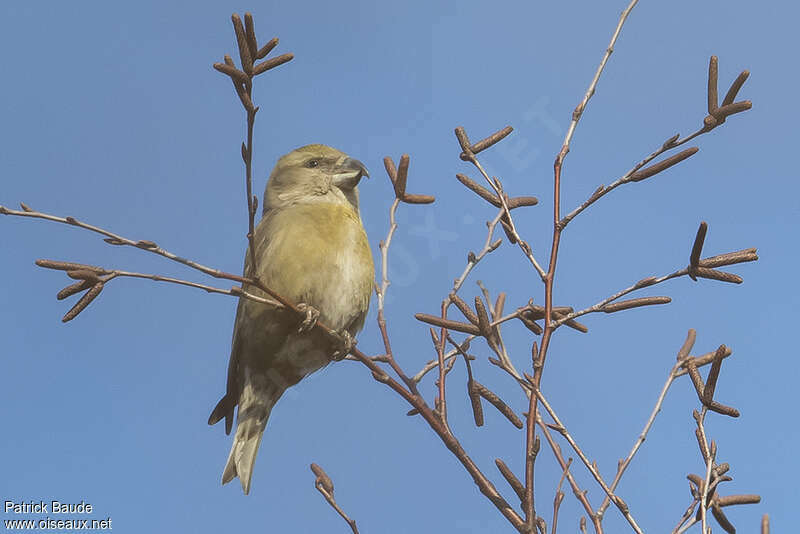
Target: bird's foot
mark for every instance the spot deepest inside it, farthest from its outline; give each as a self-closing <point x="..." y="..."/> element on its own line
<point x="310" y="319"/>
<point x="344" y="346"/>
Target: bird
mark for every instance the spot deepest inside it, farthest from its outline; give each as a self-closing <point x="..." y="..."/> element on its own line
<point x="310" y="246"/>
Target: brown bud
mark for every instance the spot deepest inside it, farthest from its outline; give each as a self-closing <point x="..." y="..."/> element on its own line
<point x="146" y="244"/>
<point x="69" y="266"/>
<point x="669" y="142"/>
<point x="267" y="48"/>
<point x="244" y="48"/>
<point x="662" y="165"/>
<point x="697" y="247"/>
<point x="277" y="61"/>
<point x="498" y="403"/>
<point x="402" y="176"/>
<point x="713" y="274"/>
<point x="391" y="170"/>
<point x="475" y="401"/>
<point x="463" y="140"/>
<point x="84" y="274"/>
<point x="418" y="199"/>
<point x="735" y="87"/>
<point x="84" y="301"/>
<point x="572" y="323"/>
<point x="713" y="375"/>
<point x="233" y="72"/>
<point x="723" y="521"/>
<point x="635" y="303"/>
<point x="322" y="478"/>
<point x="504" y="222"/>
<point x="712" y="84"/>
<point x="702" y="444"/>
<point x="645" y="282"/>
<point x="483" y="144"/>
<point x="732" y="500"/>
<point x="435" y="320"/>
<point x="529" y="324"/>
<point x="687" y="345"/>
<point x="499" y="304"/>
<point x="512" y="480"/>
<point x="250" y="32"/>
<point x="730" y="258"/>
<point x="481" y="191"/>
<point x="465" y="309"/>
<point x="714" y="406"/>
<point x="70" y="290"/>
<point x="518" y="202"/>
<point x="732" y="109"/>
<point x="383" y="378"/>
<point x="697" y="380"/>
<point x="483" y="318"/>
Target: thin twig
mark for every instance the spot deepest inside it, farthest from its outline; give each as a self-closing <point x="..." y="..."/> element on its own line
<point x="549" y="277"/>
<point x="150" y="246"/>
<point x="642" y="436"/>
<point x="433" y="364"/>
<point x="234" y="291"/>
<point x="324" y="485"/>
<point x="116" y="239"/>
<point x="729" y="259"/>
<point x="686" y="515"/>
<point x="490" y="245"/>
<point x="251" y="209"/>
<point x="709" y="460"/>
<point x="384" y="247"/>
<point x="592" y="469"/>
<point x="512" y="229"/>
<point x="559" y="497"/>
<point x="576" y="490"/>
<point x="626" y="178"/>
<point x="381" y="293"/>
<point x="411" y="395"/>
<point x="576" y="115"/>
<point x="440" y="343"/>
<point x="496" y="317"/>
<point x="450" y="441"/>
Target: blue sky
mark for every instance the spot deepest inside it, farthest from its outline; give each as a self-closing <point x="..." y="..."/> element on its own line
<point x="112" y="113"/>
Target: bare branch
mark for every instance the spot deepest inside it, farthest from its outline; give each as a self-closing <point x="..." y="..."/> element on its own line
<point x="683" y="353"/>
<point x="618" y="502"/>
<point x="324" y="485"/>
<point x="559" y="497"/>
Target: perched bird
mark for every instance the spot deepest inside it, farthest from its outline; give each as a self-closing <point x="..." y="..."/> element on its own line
<point x="311" y="248"/>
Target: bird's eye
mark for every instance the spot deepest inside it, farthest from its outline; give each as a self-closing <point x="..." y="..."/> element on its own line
<point x="312" y="163"/>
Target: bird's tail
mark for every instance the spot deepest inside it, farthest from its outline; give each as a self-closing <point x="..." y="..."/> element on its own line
<point x="255" y="404"/>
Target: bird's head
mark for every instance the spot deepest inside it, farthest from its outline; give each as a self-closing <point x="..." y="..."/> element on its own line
<point x="314" y="173"/>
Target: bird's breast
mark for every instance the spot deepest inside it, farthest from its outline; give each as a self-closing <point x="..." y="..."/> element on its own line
<point x="318" y="254"/>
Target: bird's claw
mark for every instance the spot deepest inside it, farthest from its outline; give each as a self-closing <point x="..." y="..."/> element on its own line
<point x="345" y="345"/>
<point x="310" y="319"/>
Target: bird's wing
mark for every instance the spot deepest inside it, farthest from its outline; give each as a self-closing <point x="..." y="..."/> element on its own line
<point x="227" y="404"/>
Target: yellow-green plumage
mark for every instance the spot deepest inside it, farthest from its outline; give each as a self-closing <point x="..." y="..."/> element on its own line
<point x="328" y="243"/>
<point x="310" y="247"/>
